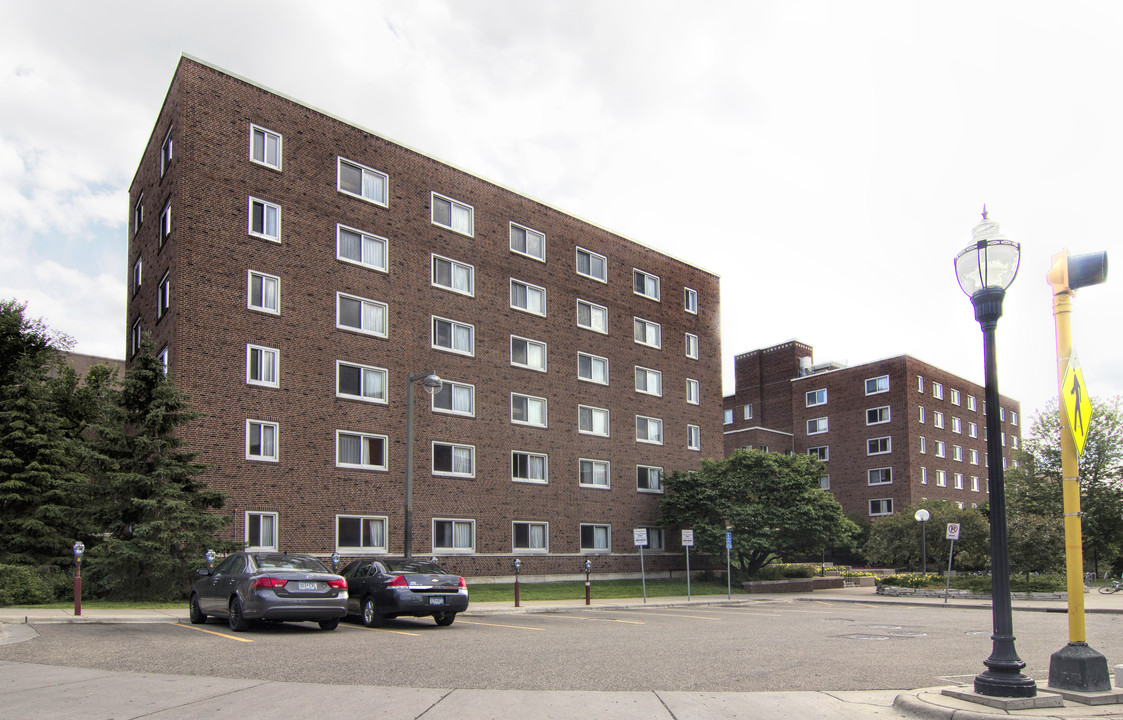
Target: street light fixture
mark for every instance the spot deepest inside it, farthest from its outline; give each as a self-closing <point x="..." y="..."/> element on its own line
<point x="922" y="516"/>
<point x="432" y="385"/>
<point x="985" y="269"/>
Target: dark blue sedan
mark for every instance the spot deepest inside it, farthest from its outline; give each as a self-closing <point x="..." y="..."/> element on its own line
<point x="385" y="588"/>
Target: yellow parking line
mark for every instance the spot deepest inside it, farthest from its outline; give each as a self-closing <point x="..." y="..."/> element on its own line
<point x="648" y="612"/>
<point x="517" y="627"/>
<point x="212" y="632"/>
<point x="364" y="627"/>
<point x="591" y="619"/>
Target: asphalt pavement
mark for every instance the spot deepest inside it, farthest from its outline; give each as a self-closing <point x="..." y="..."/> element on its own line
<point x="45" y="691"/>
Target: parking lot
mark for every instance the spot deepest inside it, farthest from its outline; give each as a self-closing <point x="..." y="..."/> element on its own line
<point x="782" y="645"/>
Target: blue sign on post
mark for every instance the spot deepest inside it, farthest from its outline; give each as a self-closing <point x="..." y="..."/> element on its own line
<point x="728" y="541"/>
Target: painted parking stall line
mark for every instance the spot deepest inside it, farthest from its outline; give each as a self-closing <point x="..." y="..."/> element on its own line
<point x="384" y="630"/>
<point x="212" y="632"/>
<point x="516" y="627"/>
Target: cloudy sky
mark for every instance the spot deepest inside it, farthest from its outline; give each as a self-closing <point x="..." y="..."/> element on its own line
<point x="827" y="159"/>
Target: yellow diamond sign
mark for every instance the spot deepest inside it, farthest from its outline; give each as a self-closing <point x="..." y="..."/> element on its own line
<point x="1078" y="406"/>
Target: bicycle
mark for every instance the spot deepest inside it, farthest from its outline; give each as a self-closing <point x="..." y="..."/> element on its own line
<point x="1114" y="587"/>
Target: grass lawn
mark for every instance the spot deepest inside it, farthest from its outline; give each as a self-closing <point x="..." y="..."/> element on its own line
<point x="107" y="605"/>
<point x="599" y="589"/>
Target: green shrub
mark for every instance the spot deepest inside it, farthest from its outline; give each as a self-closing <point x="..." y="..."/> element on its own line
<point x="912" y="580"/>
<point x="780" y="571"/>
<point x="979" y="584"/>
<point x="25" y="585"/>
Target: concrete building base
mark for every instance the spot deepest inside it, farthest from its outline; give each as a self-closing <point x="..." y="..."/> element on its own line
<point x="1041" y="700"/>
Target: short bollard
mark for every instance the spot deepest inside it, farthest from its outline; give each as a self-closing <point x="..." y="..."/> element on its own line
<point x="518" y="564"/>
<point x="588" y="566"/>
<point x="79" y="548"/>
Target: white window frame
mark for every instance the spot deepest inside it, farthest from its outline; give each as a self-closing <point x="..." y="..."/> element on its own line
<point x="162" y="358"/>
<point x="165" y="229"/>
<point x="810" y="401"/>
<point x="649" y="281"/>
<point x="690" y="300"/>
<point x="530" y="524"/>
<point x="822" y="453"/>
<point x="364" y="236"/>
<point x="647" y="325"/>
<point x="955" y="396"/>
<point x="958" y="480"/>
<point x="453" y="205"/>
<point x="166" y="152"/>
<point x="880" y="475"/>
<point x="363" y="437"/>
<point x="649" y="423"/>
<point x="595" y="411"/>
<point x="453" y="266"/>
<point x="453" y="385"/>
<point x="974" y="483"/>
<point x="1013" y="418"/>
<point x="921" y="408"/>
<point x="748" y="411"/>
<point x="822" y="425"/>
<point x="923" y="445"/>
<point x="972" y="430"/>
<point x="363" y="549"/>
<point x="451" y="446"/>
<point x="529" y="343"/>
<point x="941" y="449"/>
<point x="363" y="171"/>
<point x="692" y="346"/>
<point x="825" y="482"/>
<point x="884" y="505"/>
<point x="693" y="437"/>
<point x="383" y="400"/>
<point x="593" y="308"/>
<point x="727" y="416"/>
<point x="545" y="479"/>
<point x="593" y="465"/>
<point x="138" y="214"/>
<point x="938" y="390"/>
<point x="658" y="489"/>
<point x="528" y="399"/>
<point x="593" y="361"/>
<point x="246" y="529"/>
<point x="956" y="425"/>
<point x="527" y="232"/>
<point x="276" y="364"/>
<point x="134" y="338"/>
<point x="590" y="274"/>
<point x="454" y="550"/>
<point x="881" y="442"/>
<point x="882" y="411"/>
<point x="138" y="275"/>
<point x="971" y="403"/>
<point x="164" y="295"/>
<point x="363" y="302"/>
<point x="265" y="207"/>
<point x="656" y="539"/>
<point x="877" y="385"/>
<point x="973" y="456"/>
<point x="595" y="550"/>
<point x="266" y="134"/>
<point x="249" y="292"/>
<point x="434" y="319"/>
<point x="920" y="383"/>
<point x="923" y="475"/>
<point x="275" y="457"/>
<point x="693" y="391"/>
<point x="937" y="419"/>
<point x="646" y="373"/>
<point x="957" y="453"/>
<point x="528" y="288"/>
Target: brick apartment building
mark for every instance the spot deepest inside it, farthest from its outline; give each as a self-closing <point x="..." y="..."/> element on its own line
<point x="293" y="269"/>
<point x="890" y="433"/>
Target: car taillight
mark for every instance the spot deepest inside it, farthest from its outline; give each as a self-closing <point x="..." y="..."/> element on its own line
<point x="399" y="581"/>
<point x="268" y="582"/>
<point x="463" y="584"/>
<point x="338" y="584"/>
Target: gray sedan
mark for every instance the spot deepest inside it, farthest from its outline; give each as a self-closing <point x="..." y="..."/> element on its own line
<point x="249" y="586"/>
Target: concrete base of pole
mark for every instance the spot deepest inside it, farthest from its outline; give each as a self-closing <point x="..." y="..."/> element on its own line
<point x="1078" y="667"/>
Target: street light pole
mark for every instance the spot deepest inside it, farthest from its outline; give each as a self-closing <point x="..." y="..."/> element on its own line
<point x="432" y="385"/>
<point x="922" y="516"/>
<point x="985" y="269"/>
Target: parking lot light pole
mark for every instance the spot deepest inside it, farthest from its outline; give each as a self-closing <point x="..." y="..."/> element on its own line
<point x="432" y="385"/>
<point x="922" y="516"/>
<point x="985" y="269"/>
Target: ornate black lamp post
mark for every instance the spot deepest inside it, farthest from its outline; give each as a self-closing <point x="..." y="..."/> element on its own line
<point x="985" y="269"/>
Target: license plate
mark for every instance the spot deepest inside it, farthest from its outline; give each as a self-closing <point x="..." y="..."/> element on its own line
<point x="308" y="586"/>
<point x="436" y="601"/>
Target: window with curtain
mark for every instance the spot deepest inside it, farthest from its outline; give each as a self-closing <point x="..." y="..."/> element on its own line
<point x="527" y="410"/>
<point x="595" y="537"/>
<point x="261" y="440"/>
<point x="648" y="381"/>
<point x="265" y="147"/>
<point x="451" y="459"/>
<point x="261" y="530"/>
<point x="362" y="182"/>
<point x="261" y="365"/>
<point x="648" y="333"/>
<point x="357" y="533"/>
<point x="592" y="368"/>
<point x="360" y="450"/>
<point x="453" y="535"/>
<point x="452" y="275"/>
<point x="360" y="247"/>
<point x="265" y="220"/>
<point x="592" y="265"/>
<point x="361" y="314"/>
<point x="456" y="398"/>
<point x="453" y="215"/>
<point x="453" y="336"/>
<point x="529" y="354"/>
<point x="528" y="242"/>
<point x="595" y="473"/>
<point x="525" y="296"/>
<point x="649" y="430"/>
<point x="264" y="292"/>
<point x="592" y="421"/>
<point x="529" y="536"/>
<point x="592" y="316"/>
<point x="528" y="467"/>
<point x="360" y="382"/>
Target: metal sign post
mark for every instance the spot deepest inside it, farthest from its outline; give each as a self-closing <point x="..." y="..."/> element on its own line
<point x="640" y="537"/>
<point x="728" y="576"/>
<point x="687" y="543"/>
<point x="953" y="535"/>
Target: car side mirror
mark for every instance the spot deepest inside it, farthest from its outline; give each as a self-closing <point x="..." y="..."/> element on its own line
<point x="203" y="571"/>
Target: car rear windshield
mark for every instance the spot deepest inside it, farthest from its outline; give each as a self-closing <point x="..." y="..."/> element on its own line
<point x="415" y="566"/>
<point x="289" y="562"/>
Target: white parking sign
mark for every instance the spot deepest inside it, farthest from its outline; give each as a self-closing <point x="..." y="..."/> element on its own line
<point x="688" y="538"/>
<point x="639" y="536"/>
<point x="953" y="531"/>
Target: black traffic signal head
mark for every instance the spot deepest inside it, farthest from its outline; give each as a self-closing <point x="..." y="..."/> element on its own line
<point x="1077" y="271"/>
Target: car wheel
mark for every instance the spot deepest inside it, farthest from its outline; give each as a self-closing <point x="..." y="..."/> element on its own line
<point x="198" y="617"/>
<point x="444" y="619"/>
<point x="238" y="622"/>
<point x="329" y="624"/>
<point x="371" y="617"/>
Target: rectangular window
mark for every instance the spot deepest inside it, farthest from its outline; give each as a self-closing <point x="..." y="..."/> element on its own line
<point x="920" y="383"/>
<point x="815" y="426"/>
<point x="360" y="534"/>
<point x="972" y="430"/>
<point x="957" y="453"/>
<point x="263" y="366"/>
<point x="649" y="382"/>
<point x="877" y="415"/>
<point x="921" y="414"/>
<point x="692" y="346"/>
<point x="453" y="459"/>
<point x="528" y="467"/>
<point x="938" y="419"/>
<point x="821" y="453"/>
<point x="455" y="216"/>
<point x="958" y="481"/>
<point x="592" y="368"/>
<point x="529" y="354"/>
<point x="877" y="385"/>
<point x="649" y="430"/>
<point x="693" y="437"/>
<point x="974" y="483"/>
<point x="363" y="182"/>
<point x="692" y="391"/>
<point x="938" y="391"/>
<point x="165" y="225"/>
<point x="956" y="425"/>
<point x="878" y="446"/>
<point x="825" y="482"/>
<point x="137" y="273"/>
<point x="360" y="382"/>
<point x="592" y="316"/>
<point x="648" y="333"/>
<point x="727" y="416"/>
<point x="356" y="246"/>
<point x="954" y="396"/>
<point x="527" y="297"/>
<point x="528" y="410"/>
<point x="649" y="479"/>
<point x="1003" y="436"/>
<point x="265" y="147"/>
<point x="530" y="536"/>
<point x="361" y="315"/>
<point x="690" y="302"/>
<point x="134" y="338"/>
<point x="940" y="448"/>
<point x="528" y="242"/>
<point x="455" y="399"/>
<point x="1014" y="441"/>
<point x="1013" y="418"/>
<point x="815" y="397"/>
<point x="452" y="275"/>
<point x="453" y="336"/>
<point x="596" y="538"/>
<point x="163" y="296"/>
<point x="594" y="473"/>
<point x="263" y="292"/>
<point x="645" y="284"/>
<point x="592" y="421"/>
<point x="973" y="456"/>
<point x="1002" y="414"/>
<point x="166" y="153"/>
<point x="880" y="476"/>
<point x="261" y="531"/>
<point x="971" y="402"/>
<point x="360" y="450"/>
<point x="138" y="213"/>
<point x="261" y="440"/>
<point x="748" y="412"/>
<point x="654" y="539"/>
<point x="454" y="536"/>
<point x="923" y="476"/>
<point x="923" y="445"/>
<point x="265" y="220"/>
<point x="881" y="506"/>
<point x="162" y="358"/>
<point x="592" y="265"/>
